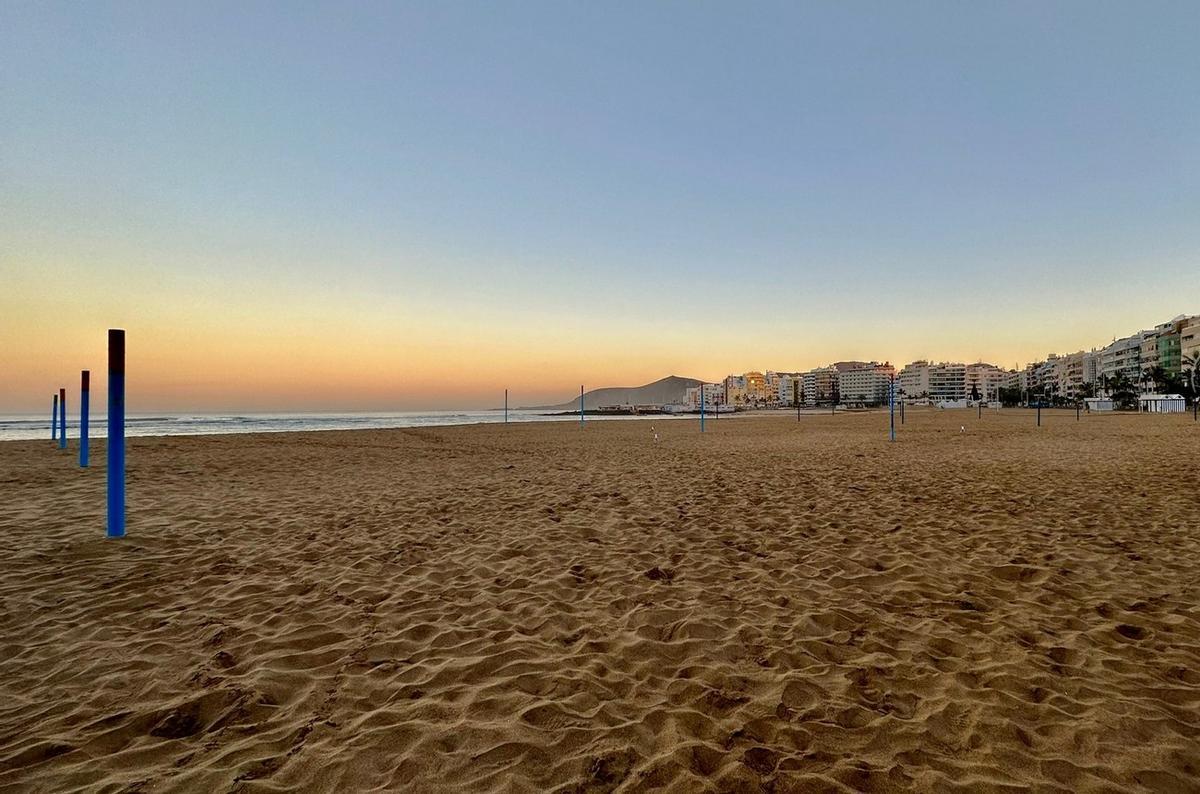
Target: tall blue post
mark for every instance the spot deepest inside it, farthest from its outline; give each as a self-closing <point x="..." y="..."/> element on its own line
<point x="892" y="405"/>
<point x="581" y="405"/>
<point x="85" y="387"/>
<point x="701" y="407"/>
<point x="54" y="419"/>
<point x="116" y="433"/>
<point x="62" y="418"/>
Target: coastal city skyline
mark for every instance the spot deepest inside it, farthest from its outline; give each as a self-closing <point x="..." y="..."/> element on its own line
<point x="1172" y="346"/>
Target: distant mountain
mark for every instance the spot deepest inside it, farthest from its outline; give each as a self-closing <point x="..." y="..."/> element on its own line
<point x="667" y="390"/>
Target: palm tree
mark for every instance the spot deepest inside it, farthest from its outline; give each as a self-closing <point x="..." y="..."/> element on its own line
<point x="1191" y="365"/>
<point x="1122" y="390"/>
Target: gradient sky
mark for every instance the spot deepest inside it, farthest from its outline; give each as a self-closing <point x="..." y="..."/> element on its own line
<point x="408" y="206"/>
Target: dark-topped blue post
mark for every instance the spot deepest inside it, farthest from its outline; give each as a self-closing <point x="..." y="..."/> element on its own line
<point x="581" y="405"/>
<point x="62" y="418"/>
<point x="701" y="406"/>
<point x="892" y="406"/>
<point x="54" y="419"/>
<point x="85" y="387"/>
<point x="116" y="433"/>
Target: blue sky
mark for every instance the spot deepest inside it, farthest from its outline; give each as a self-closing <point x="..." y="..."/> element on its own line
<point x="607" y="190"/>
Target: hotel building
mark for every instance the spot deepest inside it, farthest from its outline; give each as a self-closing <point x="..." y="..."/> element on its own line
<point x="820" y="386"/>
<point x="867" y="385"/>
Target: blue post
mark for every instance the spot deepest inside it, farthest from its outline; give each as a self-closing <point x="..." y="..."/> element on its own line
<point x="581" y="405"/>
<point x="701" y="407"/>
<point x="62" y="418"/>
<point x="54" y="419"/>
<point x="506" y="406"/>
<point x="892" y="406"/>
<point x="84" y="394"/>
<point x="116" y="433"/>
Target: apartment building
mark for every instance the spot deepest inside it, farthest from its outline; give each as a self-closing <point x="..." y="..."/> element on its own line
<point x="1075" y="372"/>
<point x="755" y="384"/>
<point x="735" y="391"/>
<point x="790" y="388"/>
<point x="986" y="380"/>
<point x="714" y="395"/>
<point x="1189" y="341"/>
<point x="867" y="385"/>
<point x="1170" y="344"/>
<point x="1048" y="375"/>
<point x="820" y="386"/>
<point x="947" y="382"/>
<point x="940" y="382"/>
<point x="914" y="380"/>
<point x="1123" y="356"/>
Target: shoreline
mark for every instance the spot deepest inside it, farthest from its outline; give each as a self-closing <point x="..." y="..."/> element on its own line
<point x="550" y="419"/>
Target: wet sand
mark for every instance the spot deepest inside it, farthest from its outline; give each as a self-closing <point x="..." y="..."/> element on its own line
<point x="772" y="606"/>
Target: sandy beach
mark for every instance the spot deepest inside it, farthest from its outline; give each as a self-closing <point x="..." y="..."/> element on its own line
<point x="772" y="606"/>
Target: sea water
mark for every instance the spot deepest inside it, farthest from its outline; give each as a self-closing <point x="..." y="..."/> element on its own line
<point x="27" y="426"/>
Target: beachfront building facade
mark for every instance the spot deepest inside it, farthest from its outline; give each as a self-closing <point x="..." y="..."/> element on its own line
<point x="755" y="386"/>
<point x="866" y="385"/>
<point x="820" y="386"/>
<point x="1148" y="357"/>
<point x="914" y="380"/>
<point x="1189" y="343"/>
<point x="942" y="382"/>
<point x="985" y="380"/>
<point x="735" y="391"/>
<point x="1076" y="374"/>
<point x="1170" y="343"/>
<point x="1049" y="376"/>
<point x="947" y="382"/>
<point x="790" y="389"/>
<point x="1121" y="357"/>
<point x="713" y="395"/>
<point x="1156" y="360"/>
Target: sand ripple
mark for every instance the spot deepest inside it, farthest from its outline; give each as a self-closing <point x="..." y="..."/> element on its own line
<point x="771" y="607"/>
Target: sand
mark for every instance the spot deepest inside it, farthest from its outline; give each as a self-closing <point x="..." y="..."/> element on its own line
<point x="773" y="606"/>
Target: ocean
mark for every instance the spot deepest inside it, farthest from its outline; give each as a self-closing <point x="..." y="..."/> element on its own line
<point x="28" y="426"/>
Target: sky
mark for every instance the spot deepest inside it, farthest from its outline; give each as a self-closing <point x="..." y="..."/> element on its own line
<point x="405" y="206"/>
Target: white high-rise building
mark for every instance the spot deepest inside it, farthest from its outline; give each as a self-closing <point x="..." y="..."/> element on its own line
<point x="867" y="385"/>
<point x="1122" y="356"/>
<point x="914" y="380"/>
<point x="986" y="380"/>
<point x="790" y="388"/>
<point x="820" y="385"/>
